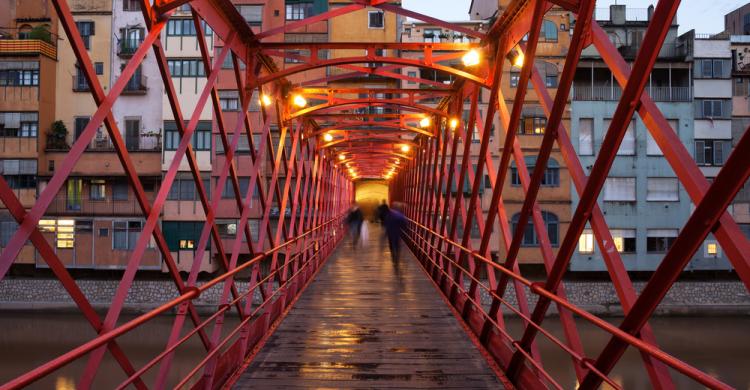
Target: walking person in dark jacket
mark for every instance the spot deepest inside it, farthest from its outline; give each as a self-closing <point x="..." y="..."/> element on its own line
<point x="382" y="213"/>
<point x="354" y="221"/>
<point x="395" y="224"/>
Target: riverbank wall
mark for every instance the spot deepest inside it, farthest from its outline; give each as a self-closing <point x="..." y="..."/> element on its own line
<point x="684" y="298"/>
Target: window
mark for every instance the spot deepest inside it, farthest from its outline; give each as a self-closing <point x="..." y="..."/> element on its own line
<point x="293" y="56"/>
<point x="411" y="74"/>
<point x="298" y="11"/>
<point x="63" y="229"/>
<point x="182" y="235"/>
<point x="711" y="151"/>
<point x="253" y="14"/>
<point x="619" y="189"/>
<point x="120" y="190"/>
<point x="243" y="147"/>
<point x="191" y="67"/>
<point x="432" y="35"/>
<point x="228" y="192"/>
<point x="514" y="77"/>
<point x="660" y="240"/>
<point x="130" y="39"/>
<point x="97" y="190"/>
<point x="125" y="234"/>
<point x="586" y="242"/>
<point x="711" y="249"/>
<point x="80" y="123"/>
<point x="19" y="124"/>
<point x="624" y="240"/>
<point x="19" y="74"/>
<point x="551" y="176"/>
<point x="627" y="146"/>
<point x="8" y="228"/>
<point x="183" y="188"/>
<point x="19" y="174"/>
<point x="131" y="5"/>
<point x="201" y="139"/>
<point x="532" y="125"/>
<point x="227" y="228"/>
<point x="99" y="68"/>
<point x="550" y="80"/>
<point x="713" y="68"/>
<point x="549" y="31"/>
<point x="586" y="137"/>
<point x="229" y="100"/>
<point x="186" y="28"/>
<point x="662" y="189"/>
<point x="652" y="148"/>
<point x="713" y="108"/>
<point x="375" y="19"/>
<point x="87" y="30"/>
<point x="80" y="84"/>
<point x="529" y="236"/>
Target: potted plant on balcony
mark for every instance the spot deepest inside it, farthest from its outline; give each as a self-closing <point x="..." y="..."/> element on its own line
<point x="57" y="136"/>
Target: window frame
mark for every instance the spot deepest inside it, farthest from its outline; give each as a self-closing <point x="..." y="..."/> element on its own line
<point x="382" y="20"/>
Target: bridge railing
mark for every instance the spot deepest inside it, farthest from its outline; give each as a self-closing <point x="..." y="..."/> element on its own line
<point x="448" y="276"/>
<point x="310" y="249"/>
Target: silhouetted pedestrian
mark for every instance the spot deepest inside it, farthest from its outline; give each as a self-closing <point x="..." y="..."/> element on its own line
<point x="354" y="220"/>
<point x="383" y="211"/>
<point x="395" y="223"/>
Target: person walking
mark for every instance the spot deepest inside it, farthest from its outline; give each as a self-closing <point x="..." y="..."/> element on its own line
<point x="354" y="221"/>
<point x="395" y="223"/>
<point x="383" y="212"/>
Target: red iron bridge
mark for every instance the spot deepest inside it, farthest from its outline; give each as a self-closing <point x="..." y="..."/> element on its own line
<point x="330" y="315"/>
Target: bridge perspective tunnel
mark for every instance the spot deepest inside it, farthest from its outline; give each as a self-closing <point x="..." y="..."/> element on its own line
<point x="286" y="129"/>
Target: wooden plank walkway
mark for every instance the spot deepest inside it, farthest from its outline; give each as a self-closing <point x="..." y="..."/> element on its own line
<point x="366" y="322"/>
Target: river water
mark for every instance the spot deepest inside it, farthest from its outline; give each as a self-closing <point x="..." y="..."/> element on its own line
<point x="719" y="346"/>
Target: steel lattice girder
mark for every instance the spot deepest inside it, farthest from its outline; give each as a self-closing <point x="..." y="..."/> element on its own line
<point x="326" y="190"/>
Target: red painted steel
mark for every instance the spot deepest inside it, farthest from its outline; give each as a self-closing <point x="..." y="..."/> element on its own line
<point x="315" y="145"/>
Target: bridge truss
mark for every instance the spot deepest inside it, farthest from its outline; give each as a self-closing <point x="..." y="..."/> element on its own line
<point x="416" y="146"/>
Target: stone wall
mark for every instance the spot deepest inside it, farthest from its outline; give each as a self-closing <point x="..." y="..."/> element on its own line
<point x="689" y="297"/>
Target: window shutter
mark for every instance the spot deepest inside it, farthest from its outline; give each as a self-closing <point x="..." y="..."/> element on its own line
<point x="586" y="136"/>
<point x="662" y="189"/>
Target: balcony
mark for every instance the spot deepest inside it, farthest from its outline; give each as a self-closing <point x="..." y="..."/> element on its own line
<point x="84" y="205"/>
<point x="609" y="93"/>
<point x="25" y="47"/>
<point x="136" y="86"/>
<point x="148" y="142"/>
<point x="80" y="84"/>
<point x="127" y="47"/>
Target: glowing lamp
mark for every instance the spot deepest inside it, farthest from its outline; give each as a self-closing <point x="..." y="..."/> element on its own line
<point x="299" y="101"/>
<point x="471" y="58"/>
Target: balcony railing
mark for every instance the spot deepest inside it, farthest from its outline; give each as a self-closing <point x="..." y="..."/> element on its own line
<point x="136" y="85"/>
<point x="127" y="47"/>
<point x="609" y="93"/>
<point x="84" y="205"/>
<point x="28" y="47"/>
<point x="102" y="143"/>
<point x="80" y="84"/>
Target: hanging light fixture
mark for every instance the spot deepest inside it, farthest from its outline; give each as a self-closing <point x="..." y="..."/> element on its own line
<point x="327" y="137"/>
<point x="265" y="100"/>
<point x="299" y="101"/>
<point x="471" y="58"/>
<point x="516" y="58"/>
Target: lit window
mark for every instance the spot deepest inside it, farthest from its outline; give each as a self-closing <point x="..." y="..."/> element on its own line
<point x="187" y="244"/>
<point x="624" y="240"/>
<point x="712" y="249"/>
<point x="586" y="242"/>
<point x="65" y="233"/>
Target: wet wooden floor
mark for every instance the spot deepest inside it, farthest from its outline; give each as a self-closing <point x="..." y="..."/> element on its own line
<point x="365" y="322"/>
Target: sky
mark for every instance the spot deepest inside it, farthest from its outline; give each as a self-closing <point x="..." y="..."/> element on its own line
<point x="705" y="16"/>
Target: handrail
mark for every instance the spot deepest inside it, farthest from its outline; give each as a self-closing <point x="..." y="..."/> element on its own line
<point x="189" y="293"/>
<point x="537" y="288"/>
